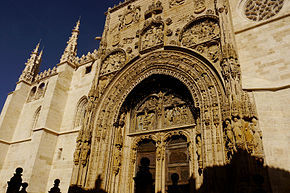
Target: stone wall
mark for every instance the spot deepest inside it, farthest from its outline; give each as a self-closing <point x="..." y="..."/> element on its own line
<point x="263" y="47"/>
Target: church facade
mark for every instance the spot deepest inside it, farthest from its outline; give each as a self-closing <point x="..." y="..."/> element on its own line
<point x="186" y="84"/>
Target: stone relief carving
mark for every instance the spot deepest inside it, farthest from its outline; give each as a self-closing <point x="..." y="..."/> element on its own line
<point x="173" y="3"/>
<point x="200" y="31"/>
<point x="199" y="6"/>
<point x="118" y="144"/>
<point x="242" y="134"/>
<point x="114" y="61"/>
<point x="116" y="39"/>
<point x="103" y="82"/>
<point x="203" y="35"/>
<point x="153" y="9"/>
<point x="152" y="35"/>
<point x="199" y="153"/>
<point x="169" y="109"/>
<point x="202" y="92"/>
<point x="131" y="15"/>
<point x="258" y="10"/>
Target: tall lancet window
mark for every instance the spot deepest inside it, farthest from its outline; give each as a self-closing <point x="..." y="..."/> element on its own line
<point x="35" y="119"/>
<point x="80" y="112"/>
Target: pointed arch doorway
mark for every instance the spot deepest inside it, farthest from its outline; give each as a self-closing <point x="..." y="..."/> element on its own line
<point x="164" y="94"/>
<point x="162" y="119"/>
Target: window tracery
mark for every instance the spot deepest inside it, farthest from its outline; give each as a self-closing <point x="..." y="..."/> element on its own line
<point x="258" y="10"/>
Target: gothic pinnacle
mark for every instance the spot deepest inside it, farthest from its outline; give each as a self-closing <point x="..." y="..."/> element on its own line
<point x="70" y="51"/>
<point x="76" y="29"/>
<point x="35" y="51"/>
<point x="39" y="58"/>
<point x="32" y="65"/>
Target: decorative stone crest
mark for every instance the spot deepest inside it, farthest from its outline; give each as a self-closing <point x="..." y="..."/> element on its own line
<point x="113" y="61"/>
<point x="258" y="10"/>
<point x="131" y="15"/>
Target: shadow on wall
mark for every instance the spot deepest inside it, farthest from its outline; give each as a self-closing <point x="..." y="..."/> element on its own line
<point x="97" y="189"/>
<point x="244" y="174"/>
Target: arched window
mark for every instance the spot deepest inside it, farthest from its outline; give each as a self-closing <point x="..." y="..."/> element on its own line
<point x="177" y="164"/>
<point x="40" y="90"/>
<point x="146" y="166"/>
<point x="35" y="119"/>
<point x="80" y="111"/>
<point x="31" y="94"/>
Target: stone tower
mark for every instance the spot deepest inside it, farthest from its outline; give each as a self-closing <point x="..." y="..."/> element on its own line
<point x="165" y="86"/>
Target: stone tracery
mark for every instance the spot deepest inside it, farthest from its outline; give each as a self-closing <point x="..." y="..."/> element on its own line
<point x="258" y="10"/>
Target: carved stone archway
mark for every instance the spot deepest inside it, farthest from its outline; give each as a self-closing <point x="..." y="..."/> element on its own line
<point x="204" y="85"/>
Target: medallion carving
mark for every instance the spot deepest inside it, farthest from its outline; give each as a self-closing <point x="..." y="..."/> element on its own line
<point x="199" y="6"/>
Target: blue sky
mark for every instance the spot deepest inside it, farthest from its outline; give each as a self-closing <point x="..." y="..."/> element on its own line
<point x="24" y="22"/>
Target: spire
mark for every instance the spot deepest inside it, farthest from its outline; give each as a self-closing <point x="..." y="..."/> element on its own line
<point x="37" y="47"/>
<point x="70" y="51"/>
<point x="32" y="65"/>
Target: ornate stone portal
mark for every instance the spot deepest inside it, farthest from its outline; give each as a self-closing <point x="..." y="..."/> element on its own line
<point x="181" y="107"/>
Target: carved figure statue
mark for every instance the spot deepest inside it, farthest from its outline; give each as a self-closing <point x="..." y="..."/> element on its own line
<point x="238" y="132"/>
<point x="249" y="137"/>
<point x="230" y="141"/>
<point x="15" y="182"/>
<point x="148" y="121"/>
<point x="229" y="132"/>
<point x="140" y="122"/>
<point x="199" y="154"/>
<point x="77" y="152"/>
<point x="117" y="160"/>
<point x="184" y="114"/>
<point x="168" y="117"/>
<point x="85" y="152"/>
<point x="258" y="145"/>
